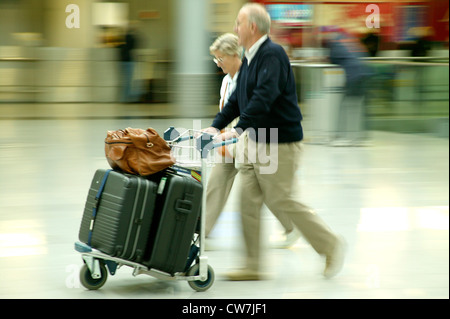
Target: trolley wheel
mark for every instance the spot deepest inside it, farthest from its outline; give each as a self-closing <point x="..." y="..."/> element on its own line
<point x="199" y="285"/>
<point x="90" y="283"/>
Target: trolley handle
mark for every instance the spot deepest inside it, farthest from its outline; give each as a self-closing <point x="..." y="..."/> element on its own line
<point x="226" y="142"/>
<point x="204" y="142"/>
<point x="183" y="138"/>
<point x="172" y="136"/>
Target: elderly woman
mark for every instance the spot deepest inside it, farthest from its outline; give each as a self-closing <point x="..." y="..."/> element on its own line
<point x="228" y="56"/>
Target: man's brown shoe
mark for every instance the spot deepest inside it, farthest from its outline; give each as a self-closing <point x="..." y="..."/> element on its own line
<point x="243" y="275"/>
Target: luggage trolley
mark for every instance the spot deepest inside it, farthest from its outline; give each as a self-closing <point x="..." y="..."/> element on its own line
<point x="199" y="274"/>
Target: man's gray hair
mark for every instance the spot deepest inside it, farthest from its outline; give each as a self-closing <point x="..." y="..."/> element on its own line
<point x="257" y="13"/>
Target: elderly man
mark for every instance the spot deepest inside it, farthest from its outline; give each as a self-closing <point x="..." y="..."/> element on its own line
<point x="266" y="101"/>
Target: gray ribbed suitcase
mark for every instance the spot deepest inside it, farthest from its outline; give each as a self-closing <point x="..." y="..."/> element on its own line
<point x="124" y="215"/>
<point x="178" y="208"/>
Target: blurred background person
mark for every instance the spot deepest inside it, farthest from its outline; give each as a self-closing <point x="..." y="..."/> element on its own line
<point x="420" y="48"/>
<point x="128" y="92"/>
<point x="228" y="56"/>
<point x="422" y="41"/>
<point x="372" y="43"/>
<point x="346" y="51"/>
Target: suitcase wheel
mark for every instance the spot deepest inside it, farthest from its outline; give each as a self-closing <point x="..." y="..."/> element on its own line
<point x="199" y="285"/>
<point x="93" y="283"/>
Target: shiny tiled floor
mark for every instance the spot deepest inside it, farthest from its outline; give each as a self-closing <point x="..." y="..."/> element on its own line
<point x="390" y="201"/>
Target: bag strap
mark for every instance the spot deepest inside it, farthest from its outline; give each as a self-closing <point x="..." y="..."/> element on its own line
<point x="96" y="203"/>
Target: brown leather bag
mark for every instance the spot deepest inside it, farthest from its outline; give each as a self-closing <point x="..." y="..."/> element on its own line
<point x="137" y="151"/>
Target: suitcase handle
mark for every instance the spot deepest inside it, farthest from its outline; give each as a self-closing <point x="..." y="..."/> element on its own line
<point x="96" y="203"/>
<point x="183" y="206"/>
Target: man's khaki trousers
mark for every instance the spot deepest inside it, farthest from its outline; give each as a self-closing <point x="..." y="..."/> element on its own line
<point x="219" y="185"/>
<point x="269" y="176"/>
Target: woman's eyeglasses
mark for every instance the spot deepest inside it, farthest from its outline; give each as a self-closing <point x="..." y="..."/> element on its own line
<point x="218" y="60"/>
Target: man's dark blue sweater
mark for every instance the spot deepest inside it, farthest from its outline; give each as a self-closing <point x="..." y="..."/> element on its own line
<point x="265" y="97"/>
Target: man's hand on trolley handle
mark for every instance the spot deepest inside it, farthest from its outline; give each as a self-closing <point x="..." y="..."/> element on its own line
<point x="218" y="136"/>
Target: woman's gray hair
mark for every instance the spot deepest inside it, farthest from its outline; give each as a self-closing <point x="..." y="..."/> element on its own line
<point x="257" y="13"/>
<point x="228" y="44"/>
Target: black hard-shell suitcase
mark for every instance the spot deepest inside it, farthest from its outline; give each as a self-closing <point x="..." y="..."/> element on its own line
<point x="178" y="206"/>
<point x="124" y="214"/>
